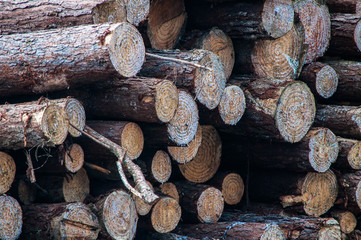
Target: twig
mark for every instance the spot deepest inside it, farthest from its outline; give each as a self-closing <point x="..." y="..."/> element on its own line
<point x="30" y="171"/>
<point x="96" y="167"/>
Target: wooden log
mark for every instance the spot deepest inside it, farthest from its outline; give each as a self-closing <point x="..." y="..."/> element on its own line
<point x="11" y="218"/>
<point x="232" y="105"/>
<point x="157" y="166"/>
<point x="7" y="172"/>
<point x="321" y="78"/>
<point x="230" y="184"/>
<point x="344" y="6"/>
<point x="24" y="191"/>
<point x="283" y="110"/>
<point x="142" y="207"/>
<point x="166" y="23"/>
<point x="32" y="124"/>
<point x="345" y="35"/>
<point x="60" y="221"/>
<point x="34" y="70"/>
<point x="315" y="18"/>
<point x="200" y="202"/>
<point x="206" y="83"/>
<point x="214" y="40"/>
<point x="169" y="189"/>
<point x="350" y="192"/>
<point x="117" y="215"/>
<point x="346" y="219"/>
<point x="349" y="154"/>
<point x="166" y="214"/>
<point x="271" y="19"/>
<point x="208" y="158"/>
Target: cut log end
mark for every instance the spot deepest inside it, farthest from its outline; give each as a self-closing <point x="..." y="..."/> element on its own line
<point x="132" y="140"/>
<point x="273" y="232"/>
<point x="210" y="84"/>
<point x="346" y="219"/>
<point x="232" y="188"/>
<point x="141" y="206"/>
<point x="324" y="149"/>
<point x="110" y="11"/>
<point x="326" y="82"/>
<point x="119" y="215"/>
<point x="354" y="156"/>
<point x="219" y="43"/>
<point x="74" y="158"/>
<point x="137" y="11"/>
<point x="183" y="127"/>
<point x="11" y="218"/>
<point x="357" y="33"/>
<point x="319" y="191"/>
<point x="295" y="112"/>
<point x="7" y="172"/>
<point x="161" y="166"/>
<point x="277" y="17"/>
<point x="54" y="124"/>
<point x="126" y="49"/>
<point x="76" y="187"/>
<point x="170" y="189"/>
<point x="210" y="205"/>
<point x="331" y="231"/>
<point x="187" y="153"/>
<point x="166" y="214"/>
<point x="358" y="195"/>
<point x="208" y="158"/>
<point x="166" y="100"/>
<point x="232" y="105"/>
<point x="76" y="115"/>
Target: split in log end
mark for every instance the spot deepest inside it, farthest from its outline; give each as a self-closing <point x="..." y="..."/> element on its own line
<point x="166" y="215"/>
<point x="54" y="124"/>
<point x="76" y="186"/>
<point x="132" y="140"/>
<point x="161" y="167"/>
<point x="74" y="158"/>
<point x="7" y="172"/>
<point x="166" y="100"/>
<point x="210" y="205"/>
<point x="11" y="218"/>
<point x="232" y="188"/>
<point x="232" y="105"/>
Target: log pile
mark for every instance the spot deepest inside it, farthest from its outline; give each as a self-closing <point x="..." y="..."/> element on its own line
<point x="180" y="119"/>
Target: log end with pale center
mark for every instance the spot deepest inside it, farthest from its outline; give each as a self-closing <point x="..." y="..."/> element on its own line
<point x="273" y="232"/>
<point x="76" y="115"/>
<point x="7" y="172"/>
<point x="326" y="81"/>
<point x="161" y="166"/>
<point x="76" y="187"/>
<point x="210" y="205"/>
<point x="54" y="124"/>
<point x="166" y="100"/>
<point x="11" y="218"/>
<point x="74" y="158"/>
<point x="354" y="156"/>
<point x="232" y="188"/>
<point x="166" y="215"/>
<point x="132" y="140"/>
<point x="232" y="105"/>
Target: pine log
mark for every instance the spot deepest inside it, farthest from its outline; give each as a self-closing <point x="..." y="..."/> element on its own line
<point x="345" y="35"/>
<point x="349" y="157"/>
<point x="7" y="172"/>
<point x="166" y="214"/>
<point x="206" y="83"/>
<point x="60" y="221"/>
<point x="11" y="218"/>
<point x="166" y="23"/>
<point x="271" y="19"/>
<point x="141" y="206"/>
<point x="283" y="110"/>
<point x="350" y="192"/>
<point x="157" y="166"/>
<point x="321" y="78"/>
<point x="169" y="189"/>
<point x="200" y="202"/>
<point x="232" y="105"/>
<point x="344" y="6"/>
<point x="208" y="158"/>
<point x="346" y="219"/>
<point x="33" y="70"/>
<point x="230" y="184"/>
<point x="214" y="40"/>
<point x="117" y="215"/>
<point x="315" y="18"/>
<point x="32" y="124"/>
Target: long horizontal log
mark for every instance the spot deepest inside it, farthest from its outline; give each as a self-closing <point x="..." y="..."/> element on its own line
<point x="11" y="218"/>
<point x="344" y="6"/>
<point x="60" y="58"/>
<point x="350" y="191"/>
<point x="349" y="157"/>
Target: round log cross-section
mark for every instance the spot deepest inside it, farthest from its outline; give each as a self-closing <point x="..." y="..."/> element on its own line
<point x="166" y="100"/>
<point x="11" y="218"/>
<point x="7" y="172"/>
<point x="230" y="184"/>
<point x="346" y="219"/>
<point x="165" y="215"/>
<point x="273" y="232"/>
<point x="161" y="166"/>
<point x="232" y="105"/>
<point x="74" y="158"/>
<point x="349" y="156"/>
<point x="76" y="188"/>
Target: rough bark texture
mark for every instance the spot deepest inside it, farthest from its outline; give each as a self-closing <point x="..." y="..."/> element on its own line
<point x="61" y="58"/>
<point x="350" y="191"/>
<point x="345" y="6"/>
<point x="7" y="172"/>
<point x="11" y="218"/>
<point x="349" y="157"/>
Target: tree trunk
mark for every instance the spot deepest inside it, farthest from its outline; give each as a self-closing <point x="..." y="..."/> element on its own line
<point x="83" y="54"/>
<point x="230" y="184"/>
<point x="344" y="6"/>
<point x="7" y="172"/>
<point x="345" y="35"/>
<point x="271" y="19"/>
<point x="214" y="40"/>
<point x="349" y="157"/>
<point x="32" y="124"/>
<point x="166" y="23"/>
<point x="201" y="202"/>
<point x="346" y="219"/>
<point x="321" y="78"/>
<point x="206" y="83"/>
<point x="208" y="158"/>
<point x="11" y="218"/>
<point x="350" y="191"/>
<point x="283" y="110"/>
<point x="342" y="120"/>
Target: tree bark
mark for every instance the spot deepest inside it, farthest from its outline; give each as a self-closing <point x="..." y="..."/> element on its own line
<point x="169" y="189"/>
<point x="344" y="6"/>
<point x="230" y="184"/>
<point x="11" y="218"/>
<point x="349" y="157"/>
<point x="350" y="192"/>
<point x="141" y="206"/>
<point x="206" y="83"/>
<point x="7" y="172"/>
<point x="59" y="221"/>
<point x="83" y="54"/>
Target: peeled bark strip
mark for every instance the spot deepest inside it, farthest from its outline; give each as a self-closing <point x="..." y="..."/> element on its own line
<point x="208" y="158"/>
<point x="346" y="219"/>
<point x="350" y="185"/>
<point x="231" y="185"/>
<point x="317" y="24"/>
<point x="232" y="105"/>
<point x="271" y="19"/>
<point x="11" y="218"/>
<point x="33" y="70"/>
<point x="60" y="221"/>
<point x="166" y="214"/>
<point x="118" y="215"/>
<point x="166" y="23"/>
<point x="201" y="202"/>
<point x="207" y="83"/>
<point x="187" y="153"/>
<point x="345" y="6"/>
<point x="214" y="40"/>
<point x="141" y="206"/>
<point x="345" y="35"/>
<point x="170" y="189"/>
<point x="7" y="172"/>
<point x="32" y="124"/>
<point x="321" y="78"/>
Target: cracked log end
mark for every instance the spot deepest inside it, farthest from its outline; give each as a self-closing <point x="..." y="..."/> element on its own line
<point x="76" y="187"/>
<point x="74" y="158"/>
<point x="170" y="189"/>
<point x="210" y="205"/>
<point x="126" y="49"/>
<point x="326" y="81"/>
<point x="132" y="140"/>
<point x="166" y="215"/>
<point x="161" y="167"/>
<point x="11" y="218"/>
<point x="141" y="206"/>
<point x="187" y="153"/>
<point x="295" y="111"/>
<point x="110" y="11"/>
<point x="54" y="124"/>
<point x="137" y="11"/>
<point x="232" y="105"/>
<point x="76" y="115"/>
<point x="273" y="232"/>
<point x="232" y="188"/>
<point x="208" y="158"/>
<point x="166" y="100"/>
<point x="7" y="172"/>
<point x="354" y="156"/>
<point x="183" y="126"/>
